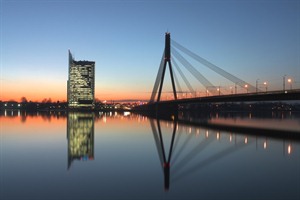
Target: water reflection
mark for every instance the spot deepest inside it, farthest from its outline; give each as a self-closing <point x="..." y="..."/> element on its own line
<point x="146" y="155"/>
<point x="180" y="157"/>
<point x="80" y="135"/>
<point x="165" y="161"/>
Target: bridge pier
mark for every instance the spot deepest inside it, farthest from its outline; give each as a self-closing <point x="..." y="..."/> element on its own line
<point x="159" y="110"/>
<point x="166" y="110"/>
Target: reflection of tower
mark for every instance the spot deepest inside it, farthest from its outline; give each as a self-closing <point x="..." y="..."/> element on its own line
<point x="80" y="135"/>
<point x="165" y="161"/>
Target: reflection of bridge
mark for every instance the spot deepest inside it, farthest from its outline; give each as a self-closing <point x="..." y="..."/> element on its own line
<point x="165" y="161"/>
<point x="213" y="94"/>
<point x="177" y="155"/>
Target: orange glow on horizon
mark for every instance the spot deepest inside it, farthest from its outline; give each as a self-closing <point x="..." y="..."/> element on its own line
<point x="30" y="96"/>
<point x="60" y="94"/>
<point x="39" y="122"/>
<point x="39" y="88"/>
<point x="33" y="91"/>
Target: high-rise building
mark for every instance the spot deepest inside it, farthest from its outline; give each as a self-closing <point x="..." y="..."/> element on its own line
<point x="81" y="83"/>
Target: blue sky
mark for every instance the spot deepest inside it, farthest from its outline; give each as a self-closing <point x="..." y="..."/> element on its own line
<point x="250" y="39"/>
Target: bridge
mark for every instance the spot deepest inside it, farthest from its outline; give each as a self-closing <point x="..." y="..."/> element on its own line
<point x="213" y="93"/>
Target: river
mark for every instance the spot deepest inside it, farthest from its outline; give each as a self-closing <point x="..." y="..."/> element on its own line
<point x="110" y="155"/>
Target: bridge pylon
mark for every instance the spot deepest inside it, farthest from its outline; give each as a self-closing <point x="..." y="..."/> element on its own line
<point x="166" y="59"/>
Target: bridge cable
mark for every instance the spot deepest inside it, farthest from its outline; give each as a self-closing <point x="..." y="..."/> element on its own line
<point x="183" y="76"/>
<point x="206" y="83"/>
<point x="177" y="83"/>
<point x="213" y="67"/>
<point x="158" y="78"/>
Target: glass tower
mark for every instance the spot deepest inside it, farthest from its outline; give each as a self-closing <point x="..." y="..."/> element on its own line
<point x="81" y="83"/>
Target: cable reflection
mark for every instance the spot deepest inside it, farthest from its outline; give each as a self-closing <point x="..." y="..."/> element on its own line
<point x="186" y="155"/>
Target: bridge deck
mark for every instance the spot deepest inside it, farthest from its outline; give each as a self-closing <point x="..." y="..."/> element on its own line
<point x="172" y="105"/>
<point x="245" y="97"/>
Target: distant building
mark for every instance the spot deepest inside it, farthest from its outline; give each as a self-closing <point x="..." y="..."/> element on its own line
<point x="81" y="83"/>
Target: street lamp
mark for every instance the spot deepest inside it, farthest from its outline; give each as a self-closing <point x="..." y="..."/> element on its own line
<point x="235" y="87"/>
<point x="231" y="90"/>
<point x="266" y="85"/>
<point x="219" y="90"/>
<point x="246" y="86"/>
<point x="283" y="82"/>
<point x="256" y="84"/>
<point x="290" y="82"/>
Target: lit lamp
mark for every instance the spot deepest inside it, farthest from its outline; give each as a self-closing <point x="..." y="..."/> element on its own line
<point x="266" y="85"/>
<point x="246" y="86"/>
<point x="290" y="82"/>
<point x="218" y="89"/>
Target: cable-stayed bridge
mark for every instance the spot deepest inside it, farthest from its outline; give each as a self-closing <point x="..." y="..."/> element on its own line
<point x="213" y="93"/>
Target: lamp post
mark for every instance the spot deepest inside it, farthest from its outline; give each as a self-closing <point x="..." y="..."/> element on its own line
<point x="235" y="88"/>
<point x="290" y="82"/>
<point x="256" y="84"/>
<point x="246" y="86"/>
<point x="266" y="85"/>
<point x="219" y="90"/>
<point x="283" y="82"/>
<point x="231" y="90"/>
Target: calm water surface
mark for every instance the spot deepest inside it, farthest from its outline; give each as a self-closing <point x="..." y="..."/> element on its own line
<point x="129" y="156"/>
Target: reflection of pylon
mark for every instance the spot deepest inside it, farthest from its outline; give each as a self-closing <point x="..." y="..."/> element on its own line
<point x="167" y="175"/>
<point x="162" y="69"/>
<point x="161" y="150"/>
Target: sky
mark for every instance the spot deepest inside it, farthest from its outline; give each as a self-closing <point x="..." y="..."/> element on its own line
<point x="255" y="40"/>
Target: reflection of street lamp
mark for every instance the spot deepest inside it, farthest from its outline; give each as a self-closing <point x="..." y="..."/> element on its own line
<point x="246" y="86"/>
<point x="289" y="149"/>
<point x="290" y="82"/>
<point x="265" y="83"/>
<point x="265" y="144"/>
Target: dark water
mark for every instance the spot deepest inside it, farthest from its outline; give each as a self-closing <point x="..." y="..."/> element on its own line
<point x="129" y="156"/>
